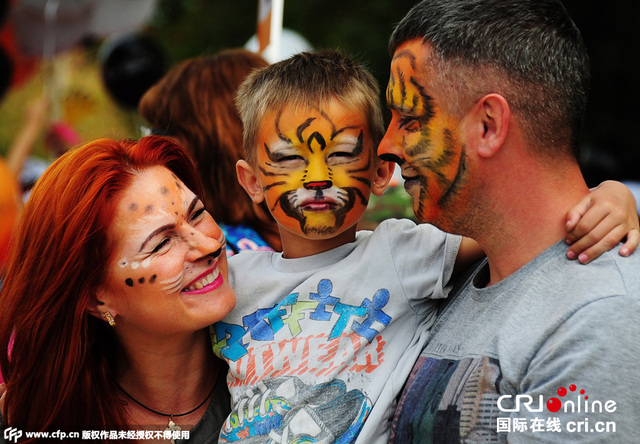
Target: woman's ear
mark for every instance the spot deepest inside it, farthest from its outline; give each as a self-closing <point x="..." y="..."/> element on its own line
<point x="384" y="172"/>
<point x="249" y="181"/>
<point x="99" y="307"/>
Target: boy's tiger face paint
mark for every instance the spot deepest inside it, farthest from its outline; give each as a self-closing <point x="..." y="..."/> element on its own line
<point x="423" y="138"/>
<point x="316" y="168"/>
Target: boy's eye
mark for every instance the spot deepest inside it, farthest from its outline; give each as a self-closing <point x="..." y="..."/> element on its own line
<point x="290" y="158"/>
<point x="341" y="154"/>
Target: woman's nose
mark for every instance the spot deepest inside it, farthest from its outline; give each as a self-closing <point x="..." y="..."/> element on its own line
<point x="203" y="244"/>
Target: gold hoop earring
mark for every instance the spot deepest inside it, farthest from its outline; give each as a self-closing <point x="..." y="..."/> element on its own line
<point x="109" y="318"/>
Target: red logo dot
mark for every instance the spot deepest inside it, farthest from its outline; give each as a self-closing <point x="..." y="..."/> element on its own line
<point x="554" y="404"/>
<point x="572" y="387"/>
<point x="562" y="391"/>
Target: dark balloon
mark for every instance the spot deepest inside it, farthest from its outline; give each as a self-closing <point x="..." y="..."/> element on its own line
<point x="4" y="9"/>
<point x="6" y="72"/>
<point x="130" y="65"/>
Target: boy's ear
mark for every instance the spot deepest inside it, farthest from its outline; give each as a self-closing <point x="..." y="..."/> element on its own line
<point x="384" y="172"/>
<point x="249" y="181"/>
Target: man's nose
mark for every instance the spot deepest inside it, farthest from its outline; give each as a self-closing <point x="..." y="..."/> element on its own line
<point x="389" y="151"/>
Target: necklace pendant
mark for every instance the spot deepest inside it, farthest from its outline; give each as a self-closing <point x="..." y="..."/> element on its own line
<point x="172" y="427"/>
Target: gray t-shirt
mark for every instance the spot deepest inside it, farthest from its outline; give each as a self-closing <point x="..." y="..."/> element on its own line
<point x="549" y="354"/>
<point x="317" y="345"/>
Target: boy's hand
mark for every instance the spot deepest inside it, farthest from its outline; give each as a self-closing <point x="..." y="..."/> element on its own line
<point x="601" y="220"/>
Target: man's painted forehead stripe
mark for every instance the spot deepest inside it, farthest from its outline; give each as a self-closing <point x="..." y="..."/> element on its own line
<point x="397" y="78"/>
<point x="416" y="103"/>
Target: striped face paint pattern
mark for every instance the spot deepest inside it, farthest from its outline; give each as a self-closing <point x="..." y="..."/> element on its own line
<point x="432" y="158"/>
<point x="316" y="168"/>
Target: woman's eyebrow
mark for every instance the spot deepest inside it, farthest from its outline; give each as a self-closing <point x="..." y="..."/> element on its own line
<point x="192" y="205"/>
<point x="156" y="232"/>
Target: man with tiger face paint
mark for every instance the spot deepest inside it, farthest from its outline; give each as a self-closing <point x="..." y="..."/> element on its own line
<point x="433" y="159"/>
<point x="325" y="332"/>
<point x="487" y="98"/>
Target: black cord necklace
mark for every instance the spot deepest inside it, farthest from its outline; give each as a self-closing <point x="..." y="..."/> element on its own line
<point x="171" y="426"/>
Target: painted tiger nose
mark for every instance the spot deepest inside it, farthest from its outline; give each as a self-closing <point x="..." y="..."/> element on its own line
<point x="318" y="185"/>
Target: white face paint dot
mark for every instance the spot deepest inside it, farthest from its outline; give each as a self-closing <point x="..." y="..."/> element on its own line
<point x="134" y="265"/>
<point x="123" y="263"/>
<point x="146" y="262"/>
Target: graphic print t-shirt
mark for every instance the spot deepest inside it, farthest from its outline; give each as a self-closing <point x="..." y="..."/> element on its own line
<point x="317" y="345"/>
<point x="547" y="355"/>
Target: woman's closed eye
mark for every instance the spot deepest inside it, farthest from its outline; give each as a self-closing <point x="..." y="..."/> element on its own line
<point x="161" y="245"/>
<point x="197" y="215"/>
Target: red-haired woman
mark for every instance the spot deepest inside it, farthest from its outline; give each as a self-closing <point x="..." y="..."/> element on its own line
<point x="117" y="270"/>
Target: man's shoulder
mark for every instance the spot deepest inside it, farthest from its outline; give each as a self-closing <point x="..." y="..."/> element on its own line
<point x="608" y="275"/>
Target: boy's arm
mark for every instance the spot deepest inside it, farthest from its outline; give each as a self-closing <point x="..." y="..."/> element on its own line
<point x="595" y="225"/>
<point x="601" y="220"/>
<point x="468" y="253"/>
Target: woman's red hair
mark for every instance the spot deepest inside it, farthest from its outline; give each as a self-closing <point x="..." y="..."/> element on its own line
<point x="60" y="371"/>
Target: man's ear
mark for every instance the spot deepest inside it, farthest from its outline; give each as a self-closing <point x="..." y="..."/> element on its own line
<point x="488" y="124"/>
<point x="249" y="181"/>
<point x="384" y="172"/>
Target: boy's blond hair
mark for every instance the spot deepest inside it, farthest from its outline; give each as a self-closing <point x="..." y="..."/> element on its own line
<point x="307" y="80"/>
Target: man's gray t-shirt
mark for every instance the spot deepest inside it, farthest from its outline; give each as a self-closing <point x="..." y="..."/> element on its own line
<point x="549" y="354"/>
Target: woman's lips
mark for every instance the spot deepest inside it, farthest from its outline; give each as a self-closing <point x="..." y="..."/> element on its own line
<point x="209" y="280"/>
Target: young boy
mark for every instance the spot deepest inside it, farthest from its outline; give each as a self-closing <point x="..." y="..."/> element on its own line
<point x="325" y="333"/>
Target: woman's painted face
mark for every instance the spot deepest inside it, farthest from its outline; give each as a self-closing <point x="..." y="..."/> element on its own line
<point x="422" y="137"/>
<point x="170" y="269"/>
<point x="316" y="168"/>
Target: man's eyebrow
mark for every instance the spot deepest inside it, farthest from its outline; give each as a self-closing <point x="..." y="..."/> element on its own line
<point x="156" y="232"/>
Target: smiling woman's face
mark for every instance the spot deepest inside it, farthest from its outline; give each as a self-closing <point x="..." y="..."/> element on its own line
<point x="169" y="272"/>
